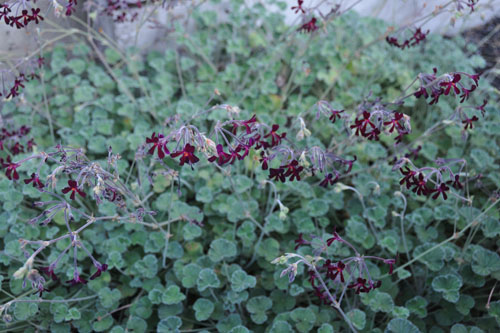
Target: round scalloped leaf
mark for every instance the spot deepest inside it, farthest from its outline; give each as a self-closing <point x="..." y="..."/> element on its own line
<point x="190" y="274"/>
<point x="203" y="309"/>
<point x="25" y="310"/>
<point x="485" y="262"/>
<point x="401" y="325"/>
<point x="434" y="259"/>
<point x="207" y="279"/>
<point x="239" y="329"/>
<point x="172" y="295"/>
<point x="240" y="281"/>
<point x="317" y="207"/>
<point x="221" y="249"/>
<point x="449" y="285"/>
<point x="494" y="310"/>
<point x="281" y="326"/>
<point x="418" y="306"/>
<point x="136" y="324"/>
<point x="357" y="318"/>
<point x="169" y="325"/>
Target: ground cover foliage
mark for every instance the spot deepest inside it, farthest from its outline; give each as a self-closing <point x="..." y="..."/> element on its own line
<point x="212" y="245"/>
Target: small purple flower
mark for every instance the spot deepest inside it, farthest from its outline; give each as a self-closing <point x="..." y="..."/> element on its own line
<point x="49" y="271"/>
<point x="100" y="268"/>
<point x="73" y="188"/>
<point x="76" y="280"/>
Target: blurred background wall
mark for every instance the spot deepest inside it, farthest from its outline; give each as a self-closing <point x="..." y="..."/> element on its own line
<point x="395" y="12"/>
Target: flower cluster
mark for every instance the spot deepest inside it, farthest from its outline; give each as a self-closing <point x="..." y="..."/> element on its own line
<point x="348" y="273"/>
<point x="375" y="118"/>
<point x="417" y="37"/>
<point x="234" y="140"/>
<point x="430" y="181"/>
<point x="9" y="13"/>
<point x="433" y="87"/>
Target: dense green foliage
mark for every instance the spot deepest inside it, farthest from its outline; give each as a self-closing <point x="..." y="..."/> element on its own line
<point x="218" y="276"/>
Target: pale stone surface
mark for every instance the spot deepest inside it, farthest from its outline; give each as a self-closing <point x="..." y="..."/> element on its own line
<point x="396" y="12"/>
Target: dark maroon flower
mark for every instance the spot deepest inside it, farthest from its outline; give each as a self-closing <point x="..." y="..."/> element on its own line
<point x="436" y="93"/>
<point x="15" y="20"/>
<point x="334" y="270"/>
<point x="4" y="12"/>
<point x="222" y="157"/>
<point x="100" y="268"/>
<point x="70" y="8"/>
<point x="25" y="16"/>
<point x="420" y="185"/>
<point x="466" y="92"/>
<point x="360" y="286"/>
<point x="373" y="135"/>
<point x="49" y="271"/>
<point x="187" y="155"/>
<point x="468" y="122"/>
<point x="391" y="263"/>
<point x="335" y="237"/>
<point x="335" y="115"/>
<point x="300" y="241"/>
<point x="11" y="167"/>
<point x="441" y="189"/>
<point x="245" y="148"/>
<point x="234" y="155"/>
<point x="30" y="144"/>
<point x="451" y="84"/>
<point x="40" y="61"/>
<point x="328" y="180"/>
<point x="260" y="143"/>
<point x="481" y="107"/>
<point x="312" y="277"/>
<point x="421" y="92"/>
<point x="409" y="177"/>
<point x="323" y="296"/>
<point x="350" y="163"/>
<point x="277" y="174"/>
<point x="394" y="122"/>
<point x="456" y="182"/>
<point x="275" y="137"/>
<point x="158" y="143"/>
<point x="293" y="170"/>
<point x="263" y="160"/>
<point x="36" y="181"/>
<point x="413" y="152"/>
<point x="17" y="148"/>
<point x="361" y="124"/>
<point x="76" y="280"/>
<point x="35" y="15"/>
<point x="309" y="26"/>
<point x="299" y="8"/>
<point x="247" y="124"/>
<point x="73" y="187"/>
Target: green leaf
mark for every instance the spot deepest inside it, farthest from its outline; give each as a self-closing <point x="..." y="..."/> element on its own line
<point x="258" y="306"/>
<point x="418" y="306"/>
<point x="221" y="249"/>
<point x="59" y="311"/>
<point x="494" y="310"/>
<point x="207" y="279"/>
<point x="304" y="319"/>
<point x="204" y="194"/>
<point x="378" y="301"/>
<point x="449" y="285"/>
<point x="485" y="262"/>
<point x="191" y="231"/>
<point x="433" y="259"/>
<point x="203" y="309"/>
<point x="136" y="325"/>
<point x="25" y="310"/>
<point x="464" y="304"/>
<point x="190" y="274"/>
<point x="109" y="297"/>
<point x="317" y="207"/>
<point x="325" y="328"/>
<point x="280" y="326"/>
<point x="401" y="325"/>
<point x="240" y="281"/>
<point x="172" y="295"/>
<point x="147" y="267"/>
<point x="357" y="318"/>
<point x="169" y="325"/>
